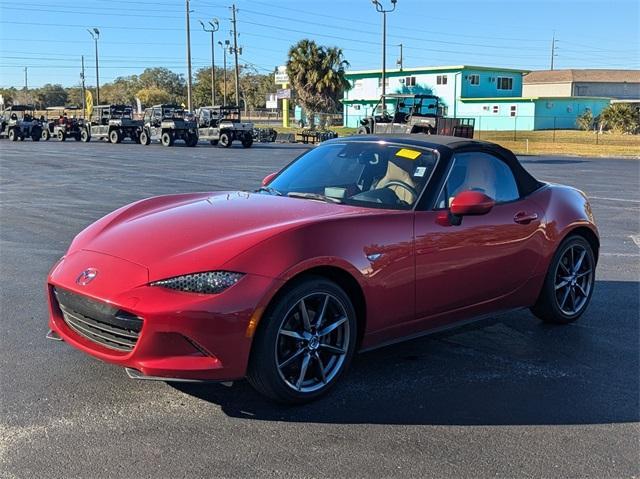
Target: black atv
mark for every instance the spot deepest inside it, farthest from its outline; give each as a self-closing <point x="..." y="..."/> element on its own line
<point x="18" y="122"/>
<point x="168" y="123"/>
<point x="113" y="123"/>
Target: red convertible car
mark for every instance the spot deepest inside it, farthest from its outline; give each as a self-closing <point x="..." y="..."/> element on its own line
<point x="358" y="243"/>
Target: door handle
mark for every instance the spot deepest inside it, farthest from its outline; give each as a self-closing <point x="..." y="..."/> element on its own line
<point x="525" y="218"/>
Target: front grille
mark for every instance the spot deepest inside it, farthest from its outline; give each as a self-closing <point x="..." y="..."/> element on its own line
<point x="99" y="322"/>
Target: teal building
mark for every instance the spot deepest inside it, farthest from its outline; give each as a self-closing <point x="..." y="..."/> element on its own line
<point x="493" y="96"/>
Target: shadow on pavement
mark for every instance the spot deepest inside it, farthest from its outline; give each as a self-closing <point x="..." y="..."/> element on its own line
<point x="513" y="370"/>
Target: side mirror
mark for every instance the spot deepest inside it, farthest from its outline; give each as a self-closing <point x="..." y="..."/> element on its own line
<point x="267" y="179"/>
<point x="471" y="203"/>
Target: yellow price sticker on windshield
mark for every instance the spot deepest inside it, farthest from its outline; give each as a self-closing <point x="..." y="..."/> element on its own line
<point x="407" y="153"/>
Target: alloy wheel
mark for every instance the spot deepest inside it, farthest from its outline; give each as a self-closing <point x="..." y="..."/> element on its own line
<point x="573" y="280"/>
<point x="312" y="343"/>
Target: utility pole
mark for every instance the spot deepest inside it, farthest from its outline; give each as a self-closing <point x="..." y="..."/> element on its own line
<point x="380" y="9"/>
<point x="84" y="99"/>
<point x="26" y="84"/>
<point x="235" y="52"/>
<point x="215" y="26"/>
<point x="189" y="84"/>
<point x="95" y="34"/>
<point x="401" y="59"/>
<point x="553" y="49"/>
<point x="224" y="46"/>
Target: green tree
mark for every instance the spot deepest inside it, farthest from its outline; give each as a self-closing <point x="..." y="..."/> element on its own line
<point x="51" y="95"/>
<point x="317" y="74"/>
<point x="153" y="95"/>
<point x="202" y="87"/>
<point x="166" y="80"/>
<point x="621" y="118"/>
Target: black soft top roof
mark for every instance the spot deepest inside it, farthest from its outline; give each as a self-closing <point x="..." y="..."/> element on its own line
<point x="450" y="144"/>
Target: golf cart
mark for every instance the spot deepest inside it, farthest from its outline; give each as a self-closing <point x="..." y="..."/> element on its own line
<point x="112" y="122"/>
<point x="221" y="125"/>
<point x="414" y="114"/>
<point x="168" y="123"/>
<point x="18" y="122"/>
<point x="59" y="125"/>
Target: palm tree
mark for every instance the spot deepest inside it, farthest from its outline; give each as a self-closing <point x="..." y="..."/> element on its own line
<point x="621" y="118"/>
<point x="317" y="74"/>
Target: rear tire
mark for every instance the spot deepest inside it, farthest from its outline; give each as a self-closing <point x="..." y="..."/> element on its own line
<point x="293" y="363"/>
<point x="84" y="136"/>
<point x="192" y="140"/>
<point x="247" y="142"/>
<point x="61" y="135"/>
<point x="569" y="283"/>
<point x="46" y="134"/>
<point x="225" y="140"/>
<point x="167" y="139"/>
<point x="13" y="135"/>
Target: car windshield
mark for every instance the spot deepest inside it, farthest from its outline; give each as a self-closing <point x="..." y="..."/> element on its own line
<point x="373" y="174"/>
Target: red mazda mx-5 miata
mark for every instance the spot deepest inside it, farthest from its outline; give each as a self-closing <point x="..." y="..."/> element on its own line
<point x="358" y="243"/>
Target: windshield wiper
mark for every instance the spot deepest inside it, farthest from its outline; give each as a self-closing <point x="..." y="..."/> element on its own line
<point x="268" y="189"/>
<point x="313" y="196"/>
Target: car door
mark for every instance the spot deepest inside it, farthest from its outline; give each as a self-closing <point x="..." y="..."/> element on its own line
<point x="475" y="267"/>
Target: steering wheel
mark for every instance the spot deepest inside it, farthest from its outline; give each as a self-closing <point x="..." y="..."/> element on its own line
<point x="403" y="185"/>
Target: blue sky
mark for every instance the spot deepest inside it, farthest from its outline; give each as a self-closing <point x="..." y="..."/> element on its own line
<point x="50" y="37"/>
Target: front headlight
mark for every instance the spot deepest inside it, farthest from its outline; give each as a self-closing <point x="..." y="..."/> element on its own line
<point x="209" y="282"/>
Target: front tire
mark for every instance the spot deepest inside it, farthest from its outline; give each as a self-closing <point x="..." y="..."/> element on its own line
<point x="569" y="283"/>
<point x="46" y="134"/>
<point x="115" y="136"/>
<point x="305" y="342"/>
<point x="225" y="140"/>
<point x="145" y="139"/>
<point x="84" y="136"/>
<point x="13" y="135"/>
<point x="167" y="139"/>
<point x="61" y="135"/>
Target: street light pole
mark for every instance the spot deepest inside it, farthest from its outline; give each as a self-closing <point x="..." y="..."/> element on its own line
<point x="224" y="46"/>
<point x="235" y="52"/>
<point x="95" y="34"/>
<point x="380" y="9"/>
<point x="215" y="26"/>
<point x="189" y="83"/>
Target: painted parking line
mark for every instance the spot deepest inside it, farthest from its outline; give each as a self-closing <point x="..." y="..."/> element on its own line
<point x="613" y="199"/>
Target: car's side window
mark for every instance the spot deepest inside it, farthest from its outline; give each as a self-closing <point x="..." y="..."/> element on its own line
<point x="477" y="171"/>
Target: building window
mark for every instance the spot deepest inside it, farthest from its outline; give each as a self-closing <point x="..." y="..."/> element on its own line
<point x="356" y="107"/>
<point x="386" y="82"/>
<point x="441" y="79"/>
<point x="474" y="79"/>
<point x="505" y="83"/>
<point x="410" y="81"/>
<point x="513" y="111"/>
<point x="495" y="109"/>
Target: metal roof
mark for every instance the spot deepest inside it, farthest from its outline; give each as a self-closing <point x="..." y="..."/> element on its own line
<point x="585" y="75"/>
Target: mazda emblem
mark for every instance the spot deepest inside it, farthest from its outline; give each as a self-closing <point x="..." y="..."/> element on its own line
<point x="87" y="276"/>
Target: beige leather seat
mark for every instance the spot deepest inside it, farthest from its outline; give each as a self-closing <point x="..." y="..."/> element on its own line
<point x="398" y="170"/>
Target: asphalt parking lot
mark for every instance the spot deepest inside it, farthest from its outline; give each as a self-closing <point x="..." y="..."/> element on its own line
<point x="508" y="397"/>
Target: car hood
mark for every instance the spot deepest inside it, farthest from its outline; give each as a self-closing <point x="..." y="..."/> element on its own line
<point x="178" y="234"/>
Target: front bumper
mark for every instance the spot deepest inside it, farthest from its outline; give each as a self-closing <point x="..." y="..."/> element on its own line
<point x="184" y="335"/>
